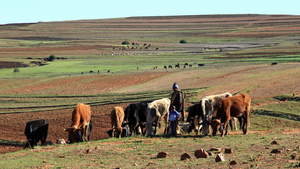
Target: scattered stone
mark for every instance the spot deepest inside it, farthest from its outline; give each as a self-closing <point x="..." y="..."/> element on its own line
<point x="201" y="154"/>
<point x="61" y="156"/>
<point x="195" y="138"/>
<point x="45" y="161"/>
<point x="185" y="156"/>
<point x="267" y="147"/>
<point x="215" y="149"/>
<point x="298" y="146"/>
<point x="135" y="164"/>
<point x="220" y="157"/>
<point x="276" y="151"/>
<point x="251" y="166"/>
<point x="233" y="162"/>
<point x="292" y="161"/>
<point x="275" y="142"/>
<point x="210" y="153"/>
<point x="228" y="150"/>
<point x="88" y="151"/>
<point x="162" y="155"/>
<point x="288" y="149"/>
<point x="150" y="164"/>
<point x="295" y="156"/>
<point x="60" y="141"/>
<point x="274" y="138"/>
<point x="97" y="147"/>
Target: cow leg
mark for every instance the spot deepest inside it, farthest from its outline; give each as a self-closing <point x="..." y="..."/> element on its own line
<point x="166" y="124"/>
<point x="231" y="123"/>
<point x="246" y="122"/>
<point x="86" y="132"/>
<point x="225" y="126"/>
<point x="234" y="123"/>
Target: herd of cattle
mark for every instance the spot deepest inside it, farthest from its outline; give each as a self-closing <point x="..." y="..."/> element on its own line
<point x="216" y="111"/>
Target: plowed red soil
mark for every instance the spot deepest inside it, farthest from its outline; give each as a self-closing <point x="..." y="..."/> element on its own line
<point x="12" y="126"/>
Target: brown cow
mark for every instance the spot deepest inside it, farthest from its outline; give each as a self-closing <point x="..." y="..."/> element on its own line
<point x="81" y="117"/>
<point x="235" y="106"/>
<point x="117" y="118"/>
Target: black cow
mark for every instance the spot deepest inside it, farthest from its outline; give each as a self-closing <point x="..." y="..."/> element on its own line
<point x="186" y="64"/>
<point x="170" y="66"/>
<point x="36" y="131"/>
<point x="165" y="67"/>
<point x="195" y="115"/>
<point x="135" y="117"/>
<point x="75" y="137"/>
<point x="177" y="65"/>
<point x="274" y="63"/>
<point x="201" y="64"/>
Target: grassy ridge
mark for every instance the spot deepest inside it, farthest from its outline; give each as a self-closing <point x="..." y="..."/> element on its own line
<point x="140" y="152"/>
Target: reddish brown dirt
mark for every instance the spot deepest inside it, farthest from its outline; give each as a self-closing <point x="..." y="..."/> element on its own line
<point x="86" y="84"/>
<point x="11" y="64"/>
<point x="13" y="125"/>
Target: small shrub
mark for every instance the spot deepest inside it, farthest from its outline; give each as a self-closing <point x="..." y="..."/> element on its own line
<point x="16" y="70"/>
<point x="125" y="42"/>
<point x="52" y="57"/>
<point x="182" y="41"/>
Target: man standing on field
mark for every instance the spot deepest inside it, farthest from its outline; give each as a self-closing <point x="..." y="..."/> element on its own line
<point x="177" y="100"/>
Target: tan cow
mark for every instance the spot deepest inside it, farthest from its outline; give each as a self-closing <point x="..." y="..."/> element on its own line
<point x="81" y="117"/>
<point x="117" y="118"/>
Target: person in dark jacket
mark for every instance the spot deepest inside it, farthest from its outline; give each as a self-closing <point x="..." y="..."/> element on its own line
<point x="177" y="99"/>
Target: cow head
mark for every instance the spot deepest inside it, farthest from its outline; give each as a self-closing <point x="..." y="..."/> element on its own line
<point x="74" y="134"/>
<point x="216" y="125"/>
<point x="125" y="131"/>
<point x="185" y="127"/>
<point x="150" y="113"/>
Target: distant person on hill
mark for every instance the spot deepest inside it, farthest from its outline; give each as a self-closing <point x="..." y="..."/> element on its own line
<point x="177" y="100"/>
<point x="173" y="118"/>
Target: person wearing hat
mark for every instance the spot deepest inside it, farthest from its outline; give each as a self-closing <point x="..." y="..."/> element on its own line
<point x="177" y="99"/>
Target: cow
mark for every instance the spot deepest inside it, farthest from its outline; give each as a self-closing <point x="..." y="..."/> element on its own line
<point x="274" y="63"/>
<point x="165" y="67"/>
<point x="117" y="118"/>
<point x="201" y="64"/>
<point x="209" y="104"/>
<point x="190" y="65"/>
<point x="186" y="64"/>
<point x="195" y="118"/>
<point x="177" y="65"/>
<point x="155" y="111"/>
<point x="170" y="66"/>
<point x="81" y="117"/>
<point x="36" y="131"/>
<point x="135" y="117"/>
<point x="235" y="106"/>
<point x="91" y="71"/>
<point x="75" y="137"/>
